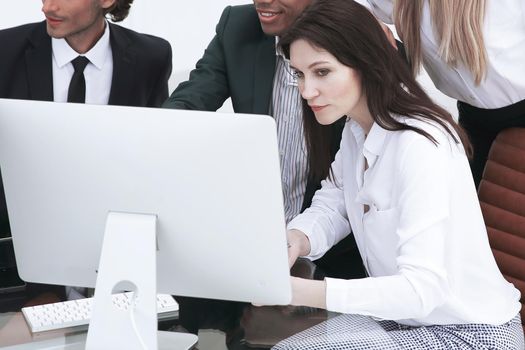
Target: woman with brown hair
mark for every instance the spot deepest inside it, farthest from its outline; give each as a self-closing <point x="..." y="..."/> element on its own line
<point x="401" y="182"/>
<point x="473" y="50"/>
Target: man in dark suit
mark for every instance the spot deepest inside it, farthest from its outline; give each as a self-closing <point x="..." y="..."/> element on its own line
<point x="76" y="55"/>
<point x="241" y="62"/>
<point x="135" y="67"/>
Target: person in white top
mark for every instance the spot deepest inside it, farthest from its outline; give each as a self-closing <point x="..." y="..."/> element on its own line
<point x="473" y="50"/>
<point x="401" y="181"/>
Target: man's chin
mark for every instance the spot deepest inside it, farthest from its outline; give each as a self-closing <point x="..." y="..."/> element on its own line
<point x="55" y="34"/>
<point x="271" y="30"/>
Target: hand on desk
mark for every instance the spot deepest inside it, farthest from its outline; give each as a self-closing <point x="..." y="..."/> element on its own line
<point x="305" y="290"/>
<point x="310" y="293"/>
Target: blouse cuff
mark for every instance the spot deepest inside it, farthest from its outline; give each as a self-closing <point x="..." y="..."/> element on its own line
<point x="307" y="226"/>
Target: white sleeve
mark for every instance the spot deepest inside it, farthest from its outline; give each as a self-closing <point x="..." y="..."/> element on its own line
<point x="421" y="283"/>
<point x="382" y="9"/>
<point x="325" y="223"/>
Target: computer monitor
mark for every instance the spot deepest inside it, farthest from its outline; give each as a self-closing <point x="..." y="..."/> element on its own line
<point x="211" y="180"/>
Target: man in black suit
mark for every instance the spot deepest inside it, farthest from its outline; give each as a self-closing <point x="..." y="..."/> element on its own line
<point x="125" y="68"/>
<point x="76" y="55"/>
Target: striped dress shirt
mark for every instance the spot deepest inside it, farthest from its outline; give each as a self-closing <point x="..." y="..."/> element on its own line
<point x="287" y="111"/>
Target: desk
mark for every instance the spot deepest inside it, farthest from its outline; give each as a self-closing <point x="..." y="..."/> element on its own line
<point x="219" y="324"/>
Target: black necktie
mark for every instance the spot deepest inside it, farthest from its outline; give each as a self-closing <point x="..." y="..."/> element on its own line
<point x="77" y="86"/>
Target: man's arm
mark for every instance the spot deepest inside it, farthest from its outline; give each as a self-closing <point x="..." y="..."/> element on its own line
<point x="207" y="87"/>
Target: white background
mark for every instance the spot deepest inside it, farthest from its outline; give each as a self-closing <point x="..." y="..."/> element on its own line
<point x="187" y="25"/>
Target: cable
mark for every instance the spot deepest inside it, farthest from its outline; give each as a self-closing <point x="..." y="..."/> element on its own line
<point x="134" y="324"/>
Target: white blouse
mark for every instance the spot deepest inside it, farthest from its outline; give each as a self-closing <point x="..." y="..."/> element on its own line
<point x="504" y="36"/>
<point x="423" y="240"/>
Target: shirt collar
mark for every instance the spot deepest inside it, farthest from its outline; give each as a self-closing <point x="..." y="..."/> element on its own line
<point x="373" y="143"/>
<point x="63" y="53"/>
<point x="289" y="77"/>
<point x="278" y="50"/>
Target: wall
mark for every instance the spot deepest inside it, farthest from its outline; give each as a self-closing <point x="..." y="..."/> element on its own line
<point x="187" y="25"/>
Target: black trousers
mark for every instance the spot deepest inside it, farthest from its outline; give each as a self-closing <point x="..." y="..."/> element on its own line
<point x="482" y="127"/>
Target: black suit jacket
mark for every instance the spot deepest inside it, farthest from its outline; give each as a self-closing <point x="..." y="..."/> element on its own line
<point x="239" y="63"/>
<point x="141" y="69"/>
<point x="141" y="66"/>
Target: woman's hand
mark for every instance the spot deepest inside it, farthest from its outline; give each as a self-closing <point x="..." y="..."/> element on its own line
<point x="305" y="292"/>
<point x="298" y="245"/>
<point x="308" y="293"/>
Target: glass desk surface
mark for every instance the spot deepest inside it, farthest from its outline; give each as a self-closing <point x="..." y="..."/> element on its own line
<point x="218" y="324"/>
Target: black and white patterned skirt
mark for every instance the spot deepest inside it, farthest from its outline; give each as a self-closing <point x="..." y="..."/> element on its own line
<point x="361" y="332"/>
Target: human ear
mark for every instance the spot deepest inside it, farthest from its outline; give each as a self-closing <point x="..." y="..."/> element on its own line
<point x="107" y="4"/>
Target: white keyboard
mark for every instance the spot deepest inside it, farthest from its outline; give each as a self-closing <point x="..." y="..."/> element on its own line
<point x="75" y="313"/>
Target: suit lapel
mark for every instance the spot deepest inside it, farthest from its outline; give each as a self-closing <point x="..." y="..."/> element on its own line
<point x="123" y="67"/>
<point x="264" y="73"/>
<point x="39" y="65"/>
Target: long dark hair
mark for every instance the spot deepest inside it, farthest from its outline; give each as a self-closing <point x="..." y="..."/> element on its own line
<point x="354" y="37"/>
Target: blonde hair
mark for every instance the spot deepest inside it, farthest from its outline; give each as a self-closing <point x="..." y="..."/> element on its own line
<point x="457" y="25"/>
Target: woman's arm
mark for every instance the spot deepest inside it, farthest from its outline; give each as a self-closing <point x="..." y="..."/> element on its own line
<point x="325" y="223"/>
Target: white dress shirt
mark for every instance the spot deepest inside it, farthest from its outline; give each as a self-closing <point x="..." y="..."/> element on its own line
<point x="98" y="73"/>
<point x="504" y="36"/>
<point x="423" y="240"/>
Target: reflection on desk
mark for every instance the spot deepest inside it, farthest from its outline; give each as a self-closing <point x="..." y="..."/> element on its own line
<point x="266" y="326"/>
<point x="244" y="325"/>
<point x="14" y="331"/>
